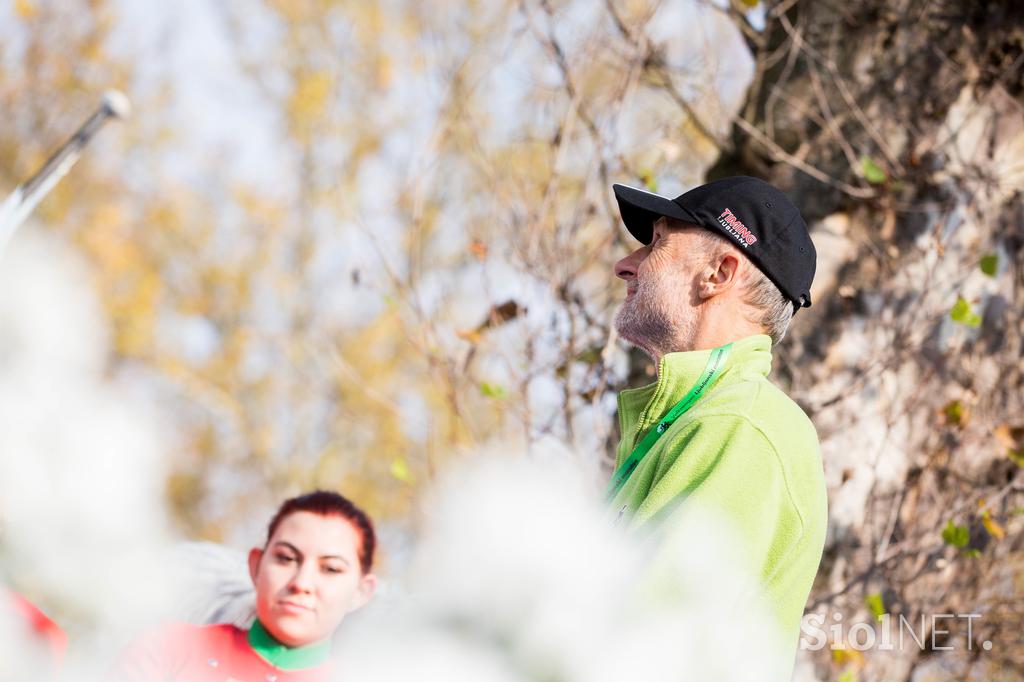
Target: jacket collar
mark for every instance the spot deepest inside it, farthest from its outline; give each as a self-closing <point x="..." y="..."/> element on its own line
<point x="639" y="408"/>
<point x="286" y="657"/>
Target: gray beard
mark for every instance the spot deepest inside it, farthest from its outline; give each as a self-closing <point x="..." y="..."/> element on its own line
<point x="651" y="327"/>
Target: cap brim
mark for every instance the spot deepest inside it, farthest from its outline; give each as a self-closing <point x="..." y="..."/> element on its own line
<point x="640" y="209"/>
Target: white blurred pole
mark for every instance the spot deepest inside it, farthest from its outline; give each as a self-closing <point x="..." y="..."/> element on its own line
<point x="26" y="196"/>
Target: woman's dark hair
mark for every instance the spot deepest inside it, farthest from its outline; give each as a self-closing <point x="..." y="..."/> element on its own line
<point x="327" y="503"/>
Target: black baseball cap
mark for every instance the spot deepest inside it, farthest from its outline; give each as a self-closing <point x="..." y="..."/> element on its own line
<point x="749" y="212"/>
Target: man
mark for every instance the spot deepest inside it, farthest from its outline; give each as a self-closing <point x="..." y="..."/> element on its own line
<point x="721" y="271"/>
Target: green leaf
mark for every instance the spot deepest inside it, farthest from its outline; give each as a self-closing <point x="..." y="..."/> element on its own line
<point x="989" y="264"/>
<point x="647" y="177"/>
<point x="871" y="171"/>
<point x="492" y="390"/>
<point x="848" y="676"/>
<point x="954" y="413"/>
<point x="590" y="356"/>
<point x="400" y="470"/>
<point x="961" y="312"/>
<point x="876" y="605"/>
<point x="957" y="536"/>
<point x="973" y="553"/>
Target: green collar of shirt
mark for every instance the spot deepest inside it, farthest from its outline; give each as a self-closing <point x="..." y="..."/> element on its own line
<point x="286" y="657"/>
<point x="640" y="408"/>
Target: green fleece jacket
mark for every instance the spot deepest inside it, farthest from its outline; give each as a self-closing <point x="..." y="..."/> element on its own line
<point x="745" y="452"/>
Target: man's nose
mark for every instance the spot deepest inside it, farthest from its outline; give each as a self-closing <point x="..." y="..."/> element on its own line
<point x="626" y="268"/>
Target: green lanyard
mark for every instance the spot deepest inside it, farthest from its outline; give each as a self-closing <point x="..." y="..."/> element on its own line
<point x="711" y="371"/>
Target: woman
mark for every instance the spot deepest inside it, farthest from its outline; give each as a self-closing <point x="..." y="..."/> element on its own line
<point x="313" y="570"/>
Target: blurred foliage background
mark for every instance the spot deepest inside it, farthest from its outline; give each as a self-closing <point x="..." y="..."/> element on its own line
<point x="344" y="243"/>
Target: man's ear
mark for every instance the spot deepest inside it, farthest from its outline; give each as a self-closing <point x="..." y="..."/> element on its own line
<point x="367" y="587"/>
<point x="255" y="554"/>
<point x="720" y="276"/>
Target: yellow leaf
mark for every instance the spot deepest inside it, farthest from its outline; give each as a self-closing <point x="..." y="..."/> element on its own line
<point x="750" y="3"/>
<point x="400" y="470"/>
<point x="992" y="526"/>
<point x="478" y="248"/>
<point x="1002" y="434"/>
<point x="471" y="335"/>
<point x="92" y="51"/>
<point x="291" y="11"/>
<point x="385" y="72"/>
<point x="25" y="9"/>
<point x="309" y="98"/>
<point x="1011" y="439"/>
<point x="844" y="656"/>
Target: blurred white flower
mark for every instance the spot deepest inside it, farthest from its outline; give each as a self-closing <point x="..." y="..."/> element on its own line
<point x="520" y="566"/>
<point x="81" y="460"/>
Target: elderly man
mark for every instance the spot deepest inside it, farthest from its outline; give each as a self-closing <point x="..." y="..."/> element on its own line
<point x="721" y="271"/>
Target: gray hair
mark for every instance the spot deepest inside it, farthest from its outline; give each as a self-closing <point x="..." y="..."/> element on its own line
<point x="773" y="310"/>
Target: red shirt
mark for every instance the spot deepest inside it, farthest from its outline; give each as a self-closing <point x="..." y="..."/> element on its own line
<point x="204" y="653"/>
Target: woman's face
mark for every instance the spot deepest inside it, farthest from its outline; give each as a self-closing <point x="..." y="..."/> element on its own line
<point x="309" y="577"/>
